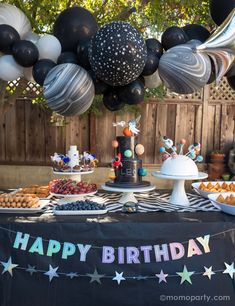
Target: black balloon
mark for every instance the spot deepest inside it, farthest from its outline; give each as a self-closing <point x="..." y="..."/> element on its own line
<point x="82" y="51"/>
<point x="41" y="69"/>
<point x="118" y="53"/>
<point x="196" y="31"/>
<point x="151" y="64"/>
<point x="213" y="74"/>
<point x="25" y="53"/>
<point x="111" y="101"/>
<point x="155" y="46"/>
<point x="100" y="86"/>
<point x="67" y="57"/>
<point x="73" y="25"/>
<point x="231" y="82"/>
<point x="231" y="71"/>
<point x="8" y="36"/>
<point x="173" y="36"/>
<point x="220" y="9"/>
<point x="132" y="93"/>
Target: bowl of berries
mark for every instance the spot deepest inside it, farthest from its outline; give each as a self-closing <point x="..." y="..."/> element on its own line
<point x="80" y="207"/>
<point x="68" y="188"/>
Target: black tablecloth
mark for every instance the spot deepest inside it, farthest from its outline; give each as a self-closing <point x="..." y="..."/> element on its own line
<point x="141" y="287"/>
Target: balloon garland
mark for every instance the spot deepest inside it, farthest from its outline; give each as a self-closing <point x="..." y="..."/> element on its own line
<point x="80" y="59"/>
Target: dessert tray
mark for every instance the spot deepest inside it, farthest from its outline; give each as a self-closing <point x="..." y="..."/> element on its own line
<point x="34" y="210"/>
<point x="214" y="187"/>
<point x="226" y="208"/>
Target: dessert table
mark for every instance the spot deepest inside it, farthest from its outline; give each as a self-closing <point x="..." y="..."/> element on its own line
<point x="120" y="259"/>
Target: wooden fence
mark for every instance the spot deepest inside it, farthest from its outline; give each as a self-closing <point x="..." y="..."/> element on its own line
<point x="27" y="137"/>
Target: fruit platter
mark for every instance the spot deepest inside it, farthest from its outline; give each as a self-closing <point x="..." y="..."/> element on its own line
<point x="67" y="188"/>
<point x="80" y="207"/>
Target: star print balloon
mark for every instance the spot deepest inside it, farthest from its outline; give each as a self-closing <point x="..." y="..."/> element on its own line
<point x="117" y="53"/>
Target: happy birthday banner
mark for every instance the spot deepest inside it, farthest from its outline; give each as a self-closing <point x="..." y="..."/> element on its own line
<point x="117" y="255"/>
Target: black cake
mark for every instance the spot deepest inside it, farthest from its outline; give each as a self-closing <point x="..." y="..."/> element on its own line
<point x="127" y="175"/>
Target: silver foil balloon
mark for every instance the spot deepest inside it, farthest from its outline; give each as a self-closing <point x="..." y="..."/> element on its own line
<point x="221" y="46"/>
<point x="153" y="81"/>
<point x="184" y="71"/>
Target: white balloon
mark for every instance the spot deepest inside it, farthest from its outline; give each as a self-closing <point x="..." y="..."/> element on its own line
<point x="49" y="47"/>
<point x="33" y="37"/>
<point x="14" y="17"/>
<point x="153" y="80"/>
<point x="9" y="69"/>
<point x="28" y="74"/>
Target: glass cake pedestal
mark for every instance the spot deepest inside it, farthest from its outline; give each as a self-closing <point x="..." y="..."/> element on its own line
<point x="128" y="193"/>
<point x="76" y="176"/>
<point x="178" y="195"/>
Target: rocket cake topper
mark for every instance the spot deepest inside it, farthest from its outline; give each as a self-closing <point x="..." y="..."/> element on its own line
<point x="131" y="127"/>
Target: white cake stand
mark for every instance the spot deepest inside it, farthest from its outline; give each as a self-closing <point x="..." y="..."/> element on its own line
<point x="67" y="198"/>
<point x="76" y="176"/>
<point x="178" y="195"/>
<point x="128" y="193"/>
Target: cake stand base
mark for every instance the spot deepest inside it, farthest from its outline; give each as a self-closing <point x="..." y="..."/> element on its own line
<point x="68" y="198"/>
<point x="178" y="195"/>
<point x="75" y="176"/>
<point x="128" y="193"/>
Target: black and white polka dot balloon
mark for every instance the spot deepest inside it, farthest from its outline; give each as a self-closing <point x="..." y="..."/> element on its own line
<point x="118" y="53"/>
<point x="69" y="89"/>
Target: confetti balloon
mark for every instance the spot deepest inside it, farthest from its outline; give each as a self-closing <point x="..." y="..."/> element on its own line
<point x="118" y="53"/>
<point x="69" y="90"/>
<point x="184" y="71"/>
<point x="14" y="17"/>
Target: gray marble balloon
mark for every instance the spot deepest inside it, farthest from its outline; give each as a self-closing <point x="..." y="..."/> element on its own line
<point x="184" y="71"/>
<point x="221" y="46"/>
<point x="11" y="15"/>
<point x="117" y="53"/>
<point x="69" y="89"/>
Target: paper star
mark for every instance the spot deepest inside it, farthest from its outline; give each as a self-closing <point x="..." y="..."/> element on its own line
<point x="52" y="272"/>
<point x="72" y="275"/>
<point x="31" y="269"/>
<point x="95" y="277"/>
<point x="208" y="272"/>
<point x="185" y="275"/>
<point x="119" y="277"/>
<point x="229" y="269"/>
<point x="162" y="277"/>
<point x="8" y="266"/>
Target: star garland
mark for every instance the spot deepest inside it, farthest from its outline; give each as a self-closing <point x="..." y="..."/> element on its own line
<point x="95" y="277"/>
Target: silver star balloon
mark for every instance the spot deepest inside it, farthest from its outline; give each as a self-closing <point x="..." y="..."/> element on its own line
<point x="221" y="46"/>
<point x="8" y="266"/>
<point x="52" y="272"/>
<point x="95" y="277"/>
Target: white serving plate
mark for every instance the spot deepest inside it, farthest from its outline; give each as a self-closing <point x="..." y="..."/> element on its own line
<point x="79" y="212"/>
<point x="71" y="196"/>
<point x="228" y="209"/>
<point x="205" y="194"/>
<point x="35" y="210"/>
<point x="74" y="172"/>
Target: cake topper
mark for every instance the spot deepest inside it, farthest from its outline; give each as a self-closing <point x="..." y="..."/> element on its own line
<point x="193" y="150"/>
<point x="117" y="161"/>
<point x="131" y="126"/>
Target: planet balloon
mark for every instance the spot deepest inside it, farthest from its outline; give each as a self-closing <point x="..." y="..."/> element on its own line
<point x="128" y="153"/>
<point x="183" y="71"/>
<point x="118" y="53"/>
<point x="25" y="53"/>
<point x="115" y="144"/>
<point x="14" y="17"/>
<point x="220" y="9"/>
<point x="8" y="36"/>
<point x="9" y="69"/>
<point x="33" y="37"/>
<point x="132" y="93"/>
<point x="139" y="149"/>
<point x="196" y="31"/>
<point x="41" y="69"/>
<point x="111" y="101"/>
<point x="173" y="36"/>
<point x="49" y="47"/>
<point x="155" y="46"/>
<point x="73" y="25"/>
<point x="69" y="90"/>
